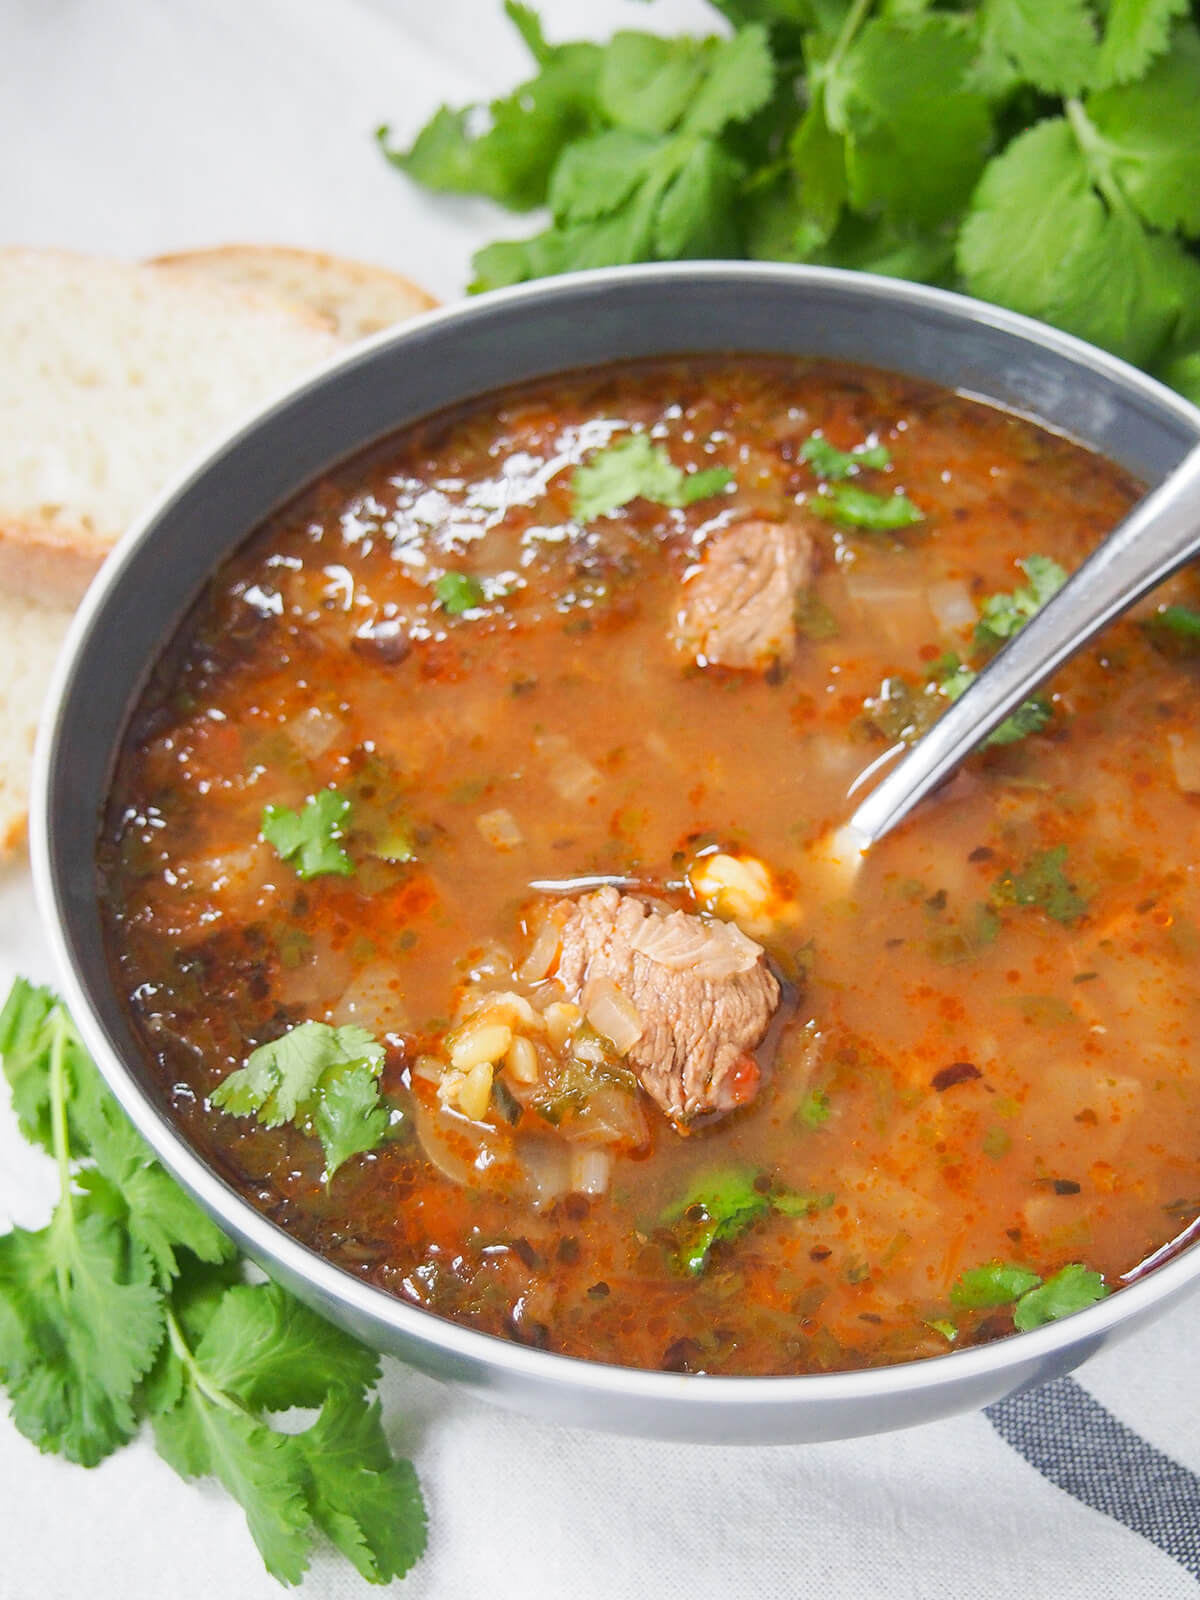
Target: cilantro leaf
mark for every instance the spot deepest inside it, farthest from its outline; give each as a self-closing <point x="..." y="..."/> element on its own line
<point x="366" y="1503"/>
<point x="832" y="464"/>
<point x="814" y="1110"/>
<point x="859" y="508"/>
<point x="508" y="151"/>
<point x="1176" y="628"/>
<point x="739" y="80"/>
<point x="349" y="1119"/>
<point x="720" y="1205"/>
<point x="264" y="1471"/>
<point x="1151" y="136"/>
<point x="646" y="82"/>
<point x="817" y="159"/>
<point x="1071" y="1289"/>
<point x="695" y="212"/>
<point x="1003" y="615"/>
<point x="595" y="177"/>
<point x="1043" y="884"/>
<point x="900" y="87"/>
<point x="1135" y="31"/>
<point x="270" y="1352"/>
<point x="80" y="1322"/>
<point x="319" y="1077"/>
<point x="529" y="25"/>
<point x="725" y="1203"/>
<point x="458" y="592"/>
<point x="25" y="1045"/>
<point x="1052" y="47"/>
<point x="633" y="468"/>
<point x="310" y="838"/>
<point x="1038" y="234"/>
<point x="997" y="1283"/>
<point x="1031" y="716"/>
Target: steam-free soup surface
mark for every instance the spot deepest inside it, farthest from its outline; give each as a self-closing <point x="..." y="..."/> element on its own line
<point x="983" y="1054"/>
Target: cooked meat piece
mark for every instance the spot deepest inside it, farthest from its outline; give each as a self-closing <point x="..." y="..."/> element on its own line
<point x="701" y="988"/>
<point x="738" y="609"/>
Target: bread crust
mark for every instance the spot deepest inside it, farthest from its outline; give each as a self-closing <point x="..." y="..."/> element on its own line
<point x="354" y="298"/>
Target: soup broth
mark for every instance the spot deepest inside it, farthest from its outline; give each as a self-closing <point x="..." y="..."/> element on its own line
<point x="438" y="709"/>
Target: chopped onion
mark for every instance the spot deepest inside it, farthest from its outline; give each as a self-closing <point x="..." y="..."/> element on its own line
<point x="591" y="1171"/>
<point x="951" y="604"/>
<point x="572" y="776"/>
<point x="893" y="603"/>
<point x="613" y="1014"/>
<point x="429" y="1068"/>
<point x="547" y="1167"/>
<point x="1185" y="761"/>
<point x="324" y="974"/>
<point x="313" y="731"/>
<point x="610" y="1116"/>
<point x="375" y="999"/>
<point x="542" y="952"/>
<point x="499" y="828"/>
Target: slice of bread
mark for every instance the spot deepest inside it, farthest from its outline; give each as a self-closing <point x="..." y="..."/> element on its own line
<point x="30" y="635"/>
<point x="113" y="377"/>
<point x="354" y="298"/>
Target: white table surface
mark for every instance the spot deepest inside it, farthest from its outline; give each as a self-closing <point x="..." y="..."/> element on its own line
<point x="140" y="126"/>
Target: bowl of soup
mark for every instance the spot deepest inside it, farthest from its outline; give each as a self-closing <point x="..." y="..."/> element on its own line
<point x="432" y="828"/>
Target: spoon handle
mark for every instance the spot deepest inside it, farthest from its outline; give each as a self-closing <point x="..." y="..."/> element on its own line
<point x="1161" y="533"/>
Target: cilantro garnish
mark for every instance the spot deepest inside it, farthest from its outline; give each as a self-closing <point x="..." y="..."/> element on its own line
<point x="1175" y="629"/>
<point x="1041" y="156"/>
<point x="832" y="464"/>
<point x="996" y="1284"/>
<point x="458" y="592"/>
<point x="723" y="1204"/>
<point x="633" y="468"/>
<point x="1034" y="1301"/>
<point x="1071" y="1289"/>
<point x="1042" y="883"/>
<point x="1031" y="716"/>
<point x="1002" y="615"/>
<point x="859" y="508"/>
<point x="814" y="1110"/>
<point x="130" y="1307"/>
<point x="322" y="1079"/>
<point x="310" y="838"/>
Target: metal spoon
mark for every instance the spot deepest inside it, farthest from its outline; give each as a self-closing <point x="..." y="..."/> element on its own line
<point x="1159" y="536"/>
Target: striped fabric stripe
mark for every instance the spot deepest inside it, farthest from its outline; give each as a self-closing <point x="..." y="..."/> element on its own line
<point x="1081" y="1447"/>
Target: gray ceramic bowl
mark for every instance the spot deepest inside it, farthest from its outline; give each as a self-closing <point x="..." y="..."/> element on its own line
<point x="482" y="345"/>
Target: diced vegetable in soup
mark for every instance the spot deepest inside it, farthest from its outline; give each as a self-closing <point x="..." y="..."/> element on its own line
<point x="464" y="876"/>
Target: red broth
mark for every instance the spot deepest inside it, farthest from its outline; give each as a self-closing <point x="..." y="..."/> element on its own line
<point x="986" y="1054"/>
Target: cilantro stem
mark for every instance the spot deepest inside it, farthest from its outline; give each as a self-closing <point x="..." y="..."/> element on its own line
<point x="1095" y="150"/>
<point x="64" y="1212"/>
<point x="855" y="18"/>
<point x="191" y="1366"/>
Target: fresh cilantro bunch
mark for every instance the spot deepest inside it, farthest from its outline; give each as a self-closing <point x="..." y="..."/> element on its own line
<point x="131" y="1306"/>
<point x="1045" y="157"/>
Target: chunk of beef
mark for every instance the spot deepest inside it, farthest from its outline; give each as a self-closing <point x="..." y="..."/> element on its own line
<point x="701" y="988"/>
<point x="739" y="607"/>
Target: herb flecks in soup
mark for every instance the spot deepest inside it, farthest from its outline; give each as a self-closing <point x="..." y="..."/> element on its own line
<point x="464" y="874"/>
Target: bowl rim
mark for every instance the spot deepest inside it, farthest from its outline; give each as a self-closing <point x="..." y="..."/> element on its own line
<point x="373" y="1307"/>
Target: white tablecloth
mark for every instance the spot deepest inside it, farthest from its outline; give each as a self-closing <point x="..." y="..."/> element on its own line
<point x="140" y="126"/>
